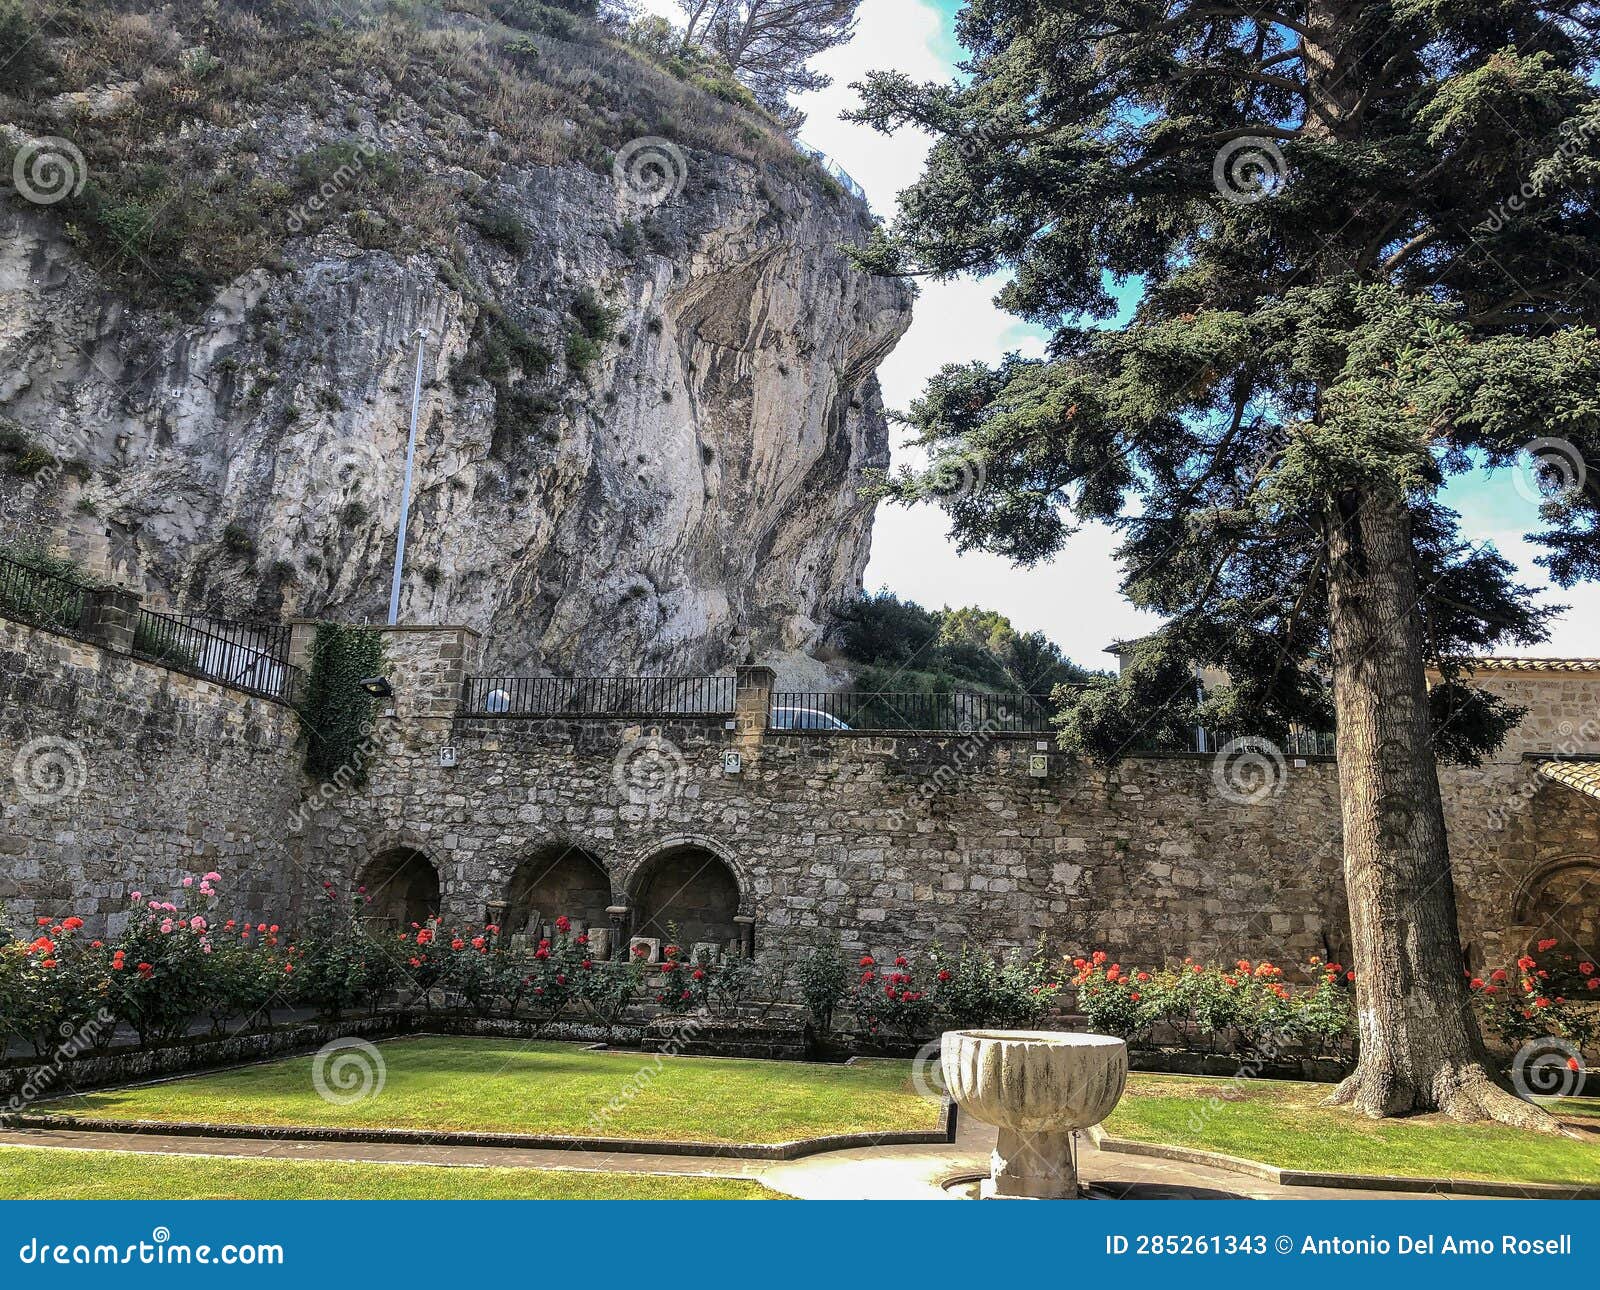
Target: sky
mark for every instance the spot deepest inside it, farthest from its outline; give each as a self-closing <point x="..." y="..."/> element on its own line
<point x="1073" y="599"/>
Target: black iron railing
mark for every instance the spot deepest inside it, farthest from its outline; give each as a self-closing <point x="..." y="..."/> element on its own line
<point x="1300" y="742"/>
<point x="597" y="696"/>
<point x="245" y="656"/>
<point x="960" y="712"/>
<point x="46" y="599"/>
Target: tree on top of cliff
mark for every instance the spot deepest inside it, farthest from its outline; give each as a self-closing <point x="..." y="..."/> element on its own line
<point x="904" y="647"/>
<point x="767" y="43"/>
<point x="1368" y="244"/>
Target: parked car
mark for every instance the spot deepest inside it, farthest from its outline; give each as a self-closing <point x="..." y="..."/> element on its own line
<point x="804" y="719"/>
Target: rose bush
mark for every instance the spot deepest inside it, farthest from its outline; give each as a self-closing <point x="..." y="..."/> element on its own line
<point x="892" y="999"/>
<point x="974" y="988"/>
<point x="1246" y="1007"/>
<point x="1543" y="993"/>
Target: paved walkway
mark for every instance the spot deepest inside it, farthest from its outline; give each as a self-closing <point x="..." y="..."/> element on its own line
<point x="863" y="1173"/>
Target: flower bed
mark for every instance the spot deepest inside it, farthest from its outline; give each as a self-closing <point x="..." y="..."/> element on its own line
<point x="181" y="960"/>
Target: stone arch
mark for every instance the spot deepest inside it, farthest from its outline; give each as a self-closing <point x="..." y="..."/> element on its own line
<point x="558" y="879"/>
<point x="402" y="887"/>
<point x="625" y="878"/>
<point x="688" y="882"/>
<point x="1559" y="899"/>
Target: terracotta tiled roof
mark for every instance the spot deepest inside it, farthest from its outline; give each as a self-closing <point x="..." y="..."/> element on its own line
<point x="1580" y="776"/>
<point x="1492" y="664"/>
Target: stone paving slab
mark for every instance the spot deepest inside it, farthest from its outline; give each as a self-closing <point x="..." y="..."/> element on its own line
<point x="861" y="1173"/>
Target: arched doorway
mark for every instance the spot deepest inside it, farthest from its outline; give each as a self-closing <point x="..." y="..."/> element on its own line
<point x="555" y="882"/>
<point x="402" y="888"/>
<point x="691" y="890"/>
<point x="1562" y="904"/>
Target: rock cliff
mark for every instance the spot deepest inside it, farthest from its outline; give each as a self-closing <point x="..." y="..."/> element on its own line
<point x="648" y="390"/>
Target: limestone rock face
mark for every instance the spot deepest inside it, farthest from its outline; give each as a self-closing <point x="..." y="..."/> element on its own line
<point x="686" y="491"/>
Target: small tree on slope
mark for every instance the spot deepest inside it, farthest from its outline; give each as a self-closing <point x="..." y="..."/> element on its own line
<point x="1367" y="238"/>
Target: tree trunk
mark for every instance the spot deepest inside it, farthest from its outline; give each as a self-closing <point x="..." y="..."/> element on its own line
<point x="1420" y="1046"/>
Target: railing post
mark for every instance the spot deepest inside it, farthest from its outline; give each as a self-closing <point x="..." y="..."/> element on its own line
<point x="752" y="701"/>
<point x="111" y="617"/>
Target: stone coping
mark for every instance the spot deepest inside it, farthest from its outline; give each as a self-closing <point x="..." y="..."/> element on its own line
<point x="791" y="1150"/>
<point x="1103" y="1141"/>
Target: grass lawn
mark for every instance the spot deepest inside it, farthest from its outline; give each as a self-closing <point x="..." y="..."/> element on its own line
<point x="516" y="1087"/>
<point x="44" y="1173"/>
<point x="1281" y="1123"/>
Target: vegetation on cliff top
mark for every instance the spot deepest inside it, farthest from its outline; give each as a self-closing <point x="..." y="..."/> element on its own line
<point x="906" y="648"/>
<point x="213" y="135"/>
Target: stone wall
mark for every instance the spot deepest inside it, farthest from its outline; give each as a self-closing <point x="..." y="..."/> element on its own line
<point x="896" y="841"/>
<point x="893" y="841"/>
<point x="119" y="775"/>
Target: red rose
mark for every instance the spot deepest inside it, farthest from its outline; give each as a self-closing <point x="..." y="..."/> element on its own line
<point x="73" y="924"/>
<point x="1549" y="943"/>
<point x="563" y="923"/>
<point x="900" y="961"/>
<point x="1499" y="974"/>
<point x="1586" y="968"/>
<point x="944" y="974"/>
<point x="866" y="961"/>
<point x="458" y="944"/>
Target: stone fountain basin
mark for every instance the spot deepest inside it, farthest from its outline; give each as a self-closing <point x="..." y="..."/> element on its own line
<point x="1034" y="1081"/>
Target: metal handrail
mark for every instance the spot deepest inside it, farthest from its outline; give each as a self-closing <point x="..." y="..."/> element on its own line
<point x="243" y="656"/>
<point x="597" y="696"/>
<point x="957" y="711"/>
<point x="45" y="599"/>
